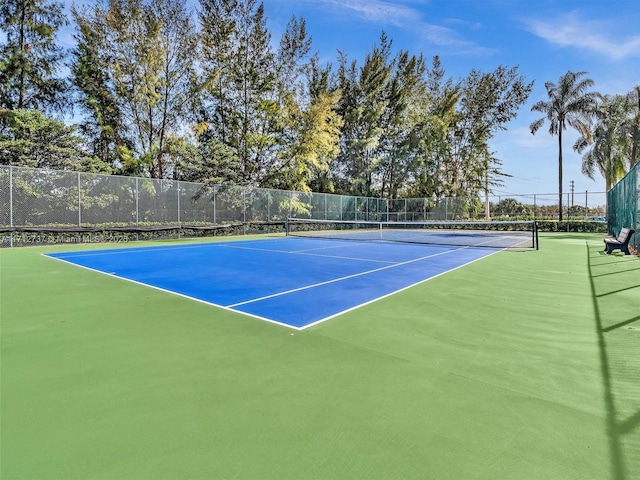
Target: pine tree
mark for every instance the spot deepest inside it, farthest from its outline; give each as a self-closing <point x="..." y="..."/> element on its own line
<point x="488" y="102"/>
<point x="30" y="139"/>
<point x="238" y="58"/>
<point x="362" y="107"/>
<point x="253" y="92"/>
<point x="103" y="124"/>
<point x="30" y="57"/>
<point x="405" y="92"/>
<point x="134" y="68"/>
<point x="435" y="121"/>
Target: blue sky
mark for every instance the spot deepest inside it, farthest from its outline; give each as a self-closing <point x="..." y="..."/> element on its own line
<point x="545" y="38"/>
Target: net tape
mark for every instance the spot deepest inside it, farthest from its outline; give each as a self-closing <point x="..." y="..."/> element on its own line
<point x="503" y="234"/>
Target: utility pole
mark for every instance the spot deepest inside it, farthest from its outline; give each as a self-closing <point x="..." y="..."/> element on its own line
<point x="573" y="187"/>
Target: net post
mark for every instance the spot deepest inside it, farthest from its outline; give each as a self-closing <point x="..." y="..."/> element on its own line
<point x="535" y="235"/>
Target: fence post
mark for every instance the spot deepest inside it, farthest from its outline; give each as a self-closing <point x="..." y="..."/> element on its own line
<point x="11" y="204"/>
<point x="586" y="203"/>
<point x="325" y="206"/>
<point x="568" y="211"/>
<point x="137" y="201"/>
<point x="79" y="203"/>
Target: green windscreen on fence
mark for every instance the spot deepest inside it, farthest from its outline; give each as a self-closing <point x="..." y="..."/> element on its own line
<point x="49" y="206"/>
<point x="623" y="205"/>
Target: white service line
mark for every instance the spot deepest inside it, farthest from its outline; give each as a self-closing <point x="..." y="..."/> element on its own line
<point x="113" y="275"/>
<point x="306" y="252"/>
<point x="392" y="293"/>
<point x="343" y="278"/>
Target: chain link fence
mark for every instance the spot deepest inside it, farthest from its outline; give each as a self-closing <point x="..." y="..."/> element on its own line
<point x="49" y="199"/>
<point x="623" y="206"/>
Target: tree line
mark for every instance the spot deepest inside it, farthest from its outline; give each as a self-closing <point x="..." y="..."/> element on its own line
<point x="608" y="126"/>
<point x="206" y="95"/>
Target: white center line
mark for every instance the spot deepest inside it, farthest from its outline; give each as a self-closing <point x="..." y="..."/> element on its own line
<point x="342" y="278"/>
<point x="308" y="253"/>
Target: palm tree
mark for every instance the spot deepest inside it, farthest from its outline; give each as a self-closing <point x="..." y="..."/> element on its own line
<point x="632" y="126"/>
<point x="609" y="140"/>
<point x="569" y="104"/>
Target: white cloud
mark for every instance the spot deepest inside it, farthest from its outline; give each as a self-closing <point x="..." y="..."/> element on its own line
<point x="446" y="37"/>
<point x="571" y="31"/>
<point x="522" y="138"/>
<point x="376" y="11"/>
<point x="464" y="23"/>
<point x="403" y="16"/>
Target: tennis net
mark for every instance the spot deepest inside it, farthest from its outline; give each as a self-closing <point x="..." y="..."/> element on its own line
<point x="504" y="234"/>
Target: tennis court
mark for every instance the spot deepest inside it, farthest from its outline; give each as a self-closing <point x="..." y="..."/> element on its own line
<point x="296" y="282"/>
<point x="515" y="364"/>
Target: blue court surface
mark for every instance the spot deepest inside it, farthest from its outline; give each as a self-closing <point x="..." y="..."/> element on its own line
<point x="296" y="282"/>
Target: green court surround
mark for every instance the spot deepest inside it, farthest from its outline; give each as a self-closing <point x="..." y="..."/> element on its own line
<point x="524" y="365"/>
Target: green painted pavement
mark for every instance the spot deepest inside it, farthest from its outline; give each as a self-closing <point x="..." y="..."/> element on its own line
<point x="523" y="365"/>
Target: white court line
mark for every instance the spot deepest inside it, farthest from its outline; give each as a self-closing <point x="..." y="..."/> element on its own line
<point x="284" y="324"/>
<point x="396" y="291"/>
<point x="304" y="252"/>
<point x="131" y="249"/>
<point x="339" y="245"/>
<point x="125" y="250"/>
<point x="343" y="278"/>
<point x="173" y="293"/>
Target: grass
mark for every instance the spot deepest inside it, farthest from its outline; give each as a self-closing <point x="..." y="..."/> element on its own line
<point x="522" y="365"/>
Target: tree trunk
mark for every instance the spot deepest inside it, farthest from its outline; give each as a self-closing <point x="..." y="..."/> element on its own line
<point x="560" y="174"/>
<point x="22" y="41"/>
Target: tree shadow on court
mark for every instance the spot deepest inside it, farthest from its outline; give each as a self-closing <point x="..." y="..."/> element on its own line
<point x="615" y="286"/>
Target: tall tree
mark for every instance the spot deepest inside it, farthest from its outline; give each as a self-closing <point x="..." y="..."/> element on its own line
<point x="431" y="135"/>
<point x="103" y="122"/>
<point x="239" y="59"/>
<point x="30" y="58"/>
<point x="632" y="127"/>
<point x="325" y="123"/>
<point x="397" y="150"/>
<point x="608" y="141"/>
<point x="30" y="139"/>
<point x="252" y="91"/>
<point x="313" y="143"/>
<point x="134" y="68"/>
<point x="488" y="102"/>
<point x="362" y="107"/>
<point x="569" y="104"/>
<point x="457" y="122"/>
<point x="289" y="116"/>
